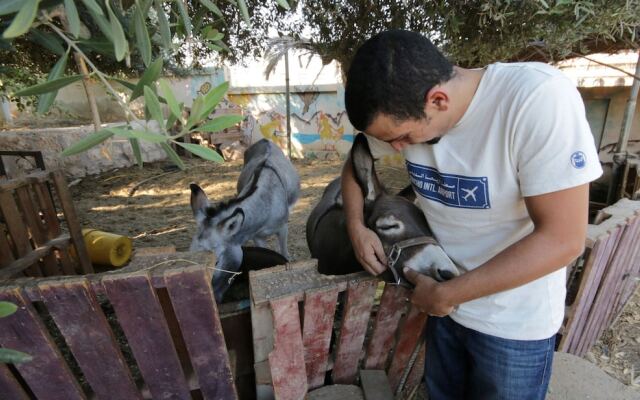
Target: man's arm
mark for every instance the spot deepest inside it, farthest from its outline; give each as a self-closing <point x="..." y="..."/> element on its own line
<point x="366" y="244"/>
<point x="560" y="227"/>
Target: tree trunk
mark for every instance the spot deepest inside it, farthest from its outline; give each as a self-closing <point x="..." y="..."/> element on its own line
<point x="90" y="97"/>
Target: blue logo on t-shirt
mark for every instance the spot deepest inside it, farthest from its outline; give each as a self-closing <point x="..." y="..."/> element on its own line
<point x="451" y="190"/>
<point x="578" y="160"/>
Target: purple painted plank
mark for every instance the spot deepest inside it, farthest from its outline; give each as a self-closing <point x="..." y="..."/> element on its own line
<point x="410" y="333"/>
<point x="36" y="228"/>
<point x="319" y="312"/>
<point x="611" y="280"/>
<point x="47" y="374"/>
<point x="392" y="305"/>
<point x="286" y="361"/>
<point x="77" y="313"/>
<point x="9" y="385"/>
<point x="360" y="296"/>
<point x="601" y="254"/>
<point x="415" y="376"/>
<point x="634" y="265"/>
<point x="595" y="264"/>
<point x="142" y="320"/>
<point x="193" y="302"/>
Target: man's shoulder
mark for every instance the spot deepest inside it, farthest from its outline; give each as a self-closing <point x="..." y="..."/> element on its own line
<point x="533" y="73"/>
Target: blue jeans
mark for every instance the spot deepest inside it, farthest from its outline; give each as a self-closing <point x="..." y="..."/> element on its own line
<point x="465" y="364"/>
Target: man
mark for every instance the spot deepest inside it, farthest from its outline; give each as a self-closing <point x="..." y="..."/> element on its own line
<point x="500" y="159"/>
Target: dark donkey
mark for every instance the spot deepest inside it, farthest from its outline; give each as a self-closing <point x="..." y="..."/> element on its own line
<point x="268" y="187"/>
<point x="400" y="225"/>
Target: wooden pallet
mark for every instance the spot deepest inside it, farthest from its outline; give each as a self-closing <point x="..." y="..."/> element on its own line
<point x="33" y="241"/>
<point x="149" y="300"/>
<point x="606" y="276"/>
<point x="300" y="336"/>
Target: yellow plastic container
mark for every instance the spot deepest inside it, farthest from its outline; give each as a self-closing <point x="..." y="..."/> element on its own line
<point x="107" y="248"/>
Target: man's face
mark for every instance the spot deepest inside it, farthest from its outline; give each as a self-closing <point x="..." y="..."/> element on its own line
<point x="401" y="133"/>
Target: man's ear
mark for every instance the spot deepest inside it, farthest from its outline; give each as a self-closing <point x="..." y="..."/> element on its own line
<point x="437" y="99"/>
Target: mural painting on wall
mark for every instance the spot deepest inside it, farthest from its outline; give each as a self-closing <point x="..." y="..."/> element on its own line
<point x="324" y="130"/>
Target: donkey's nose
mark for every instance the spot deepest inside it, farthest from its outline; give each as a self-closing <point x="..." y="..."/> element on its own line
<point x="446" y="274"/>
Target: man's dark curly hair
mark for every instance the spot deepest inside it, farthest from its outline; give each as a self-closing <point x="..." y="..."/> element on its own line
<point x="391" y="73"/>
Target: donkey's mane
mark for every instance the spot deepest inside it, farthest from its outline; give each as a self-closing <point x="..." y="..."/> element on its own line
<point x="213" y="210"/>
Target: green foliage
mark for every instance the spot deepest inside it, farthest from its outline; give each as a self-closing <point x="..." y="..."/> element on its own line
<point x="112" y="33"/>
<point x="9" y="355"/>
<point x="7" y="308"/>
<point x="471" y="33"/>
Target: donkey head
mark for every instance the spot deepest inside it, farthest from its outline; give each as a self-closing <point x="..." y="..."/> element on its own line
<point x="217" y="228"/>
<point x="398" y="222"/>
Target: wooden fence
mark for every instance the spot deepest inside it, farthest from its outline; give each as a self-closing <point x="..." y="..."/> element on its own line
<point x="602" y="280"/>
<point x="148" y="331"/>
<point x="34" y="241"/>
<point x="342" y="331"/>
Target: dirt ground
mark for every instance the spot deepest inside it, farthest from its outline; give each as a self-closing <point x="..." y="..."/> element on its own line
<point x="151" y="206"/>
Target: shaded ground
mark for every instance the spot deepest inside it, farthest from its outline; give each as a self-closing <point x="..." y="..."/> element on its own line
<point x="157" y="213"/>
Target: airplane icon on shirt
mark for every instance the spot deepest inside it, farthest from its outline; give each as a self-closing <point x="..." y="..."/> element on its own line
<point x="469" y="192"/>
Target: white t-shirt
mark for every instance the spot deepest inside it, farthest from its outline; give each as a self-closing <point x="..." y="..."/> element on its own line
<point x="524" y="134"/>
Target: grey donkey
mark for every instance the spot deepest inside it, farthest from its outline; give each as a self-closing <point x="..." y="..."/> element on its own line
<point x="268" y="188"/>
<point x="398" y="222"/>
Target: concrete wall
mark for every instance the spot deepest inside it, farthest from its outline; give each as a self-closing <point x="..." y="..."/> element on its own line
<point x="113" y="153"/>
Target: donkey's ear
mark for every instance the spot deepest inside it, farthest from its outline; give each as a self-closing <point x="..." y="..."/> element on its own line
<point x="232" y="224"/>
<point x="408" y="193"/>
<point x="364" y="169"/>
<point x="199" y="200"/>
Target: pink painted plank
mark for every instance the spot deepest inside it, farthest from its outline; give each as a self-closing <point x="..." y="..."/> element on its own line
<point x="77" y="313"/>
<point x="195" y="308"/>
<point x="591" y="276"/>
<point x="9" y="385"/>
<point x="603" y="303"/>
<point x="416" y="375"/>
<point x="631" y="273"/>
<point x="392" y="305"/>
<point x="360" y="296"/>
<point x="286" y="361"/>
<point x="141" y="317"/>
<point x="319" y="312"/>
<point x="410" y="333"/>
<point x="588" y="298"/>
<point x="47" y="375"/>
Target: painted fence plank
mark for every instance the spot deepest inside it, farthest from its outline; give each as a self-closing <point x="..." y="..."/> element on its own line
<point x="592" y="274"/>
<point x="629" y="279"/>
<point x="410" y="330"/>
<point x="415" y="376"/>
<point x="359" y="300"/>
<point x="38" y="234"/>
<point x="6" y="254"/>
<point x="392" y="305"/>
<point x="195" y="307"/>
<point x="77" y="313"/>
<point x="286" y="361"/>
<point x="592" y="281"/>
<point x="141" y="317"/>
<point x="9" y="385"/>
<point x="603" y="305"/>
<point x="48" y="210"/>
<point x="73" y="223"/>
<point x="17" y="229"/>
<point x="262" y="334"/>
<point x="319" y="313"/>
<point x="47" y="375"/>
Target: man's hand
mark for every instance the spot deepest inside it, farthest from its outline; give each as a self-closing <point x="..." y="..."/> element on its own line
<point x="368" y="250"/>
<point x="428" y="294"/>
